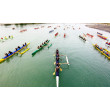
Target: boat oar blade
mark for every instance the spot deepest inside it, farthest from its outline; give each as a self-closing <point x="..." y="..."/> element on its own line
<point x="54" y="73"/>
<point x="60" y="69"/>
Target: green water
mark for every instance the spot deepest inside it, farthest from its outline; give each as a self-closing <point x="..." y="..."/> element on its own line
<point x="88" y="68"/>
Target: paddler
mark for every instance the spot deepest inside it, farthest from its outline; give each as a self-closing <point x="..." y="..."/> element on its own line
<point x="84" y="39"/>
<point x="9" y="36"/>
<point x="101" y="48"/>
<point x="57" y="64"/>
<point x="23" y="45"/>
<point x="104" y="51"/>
<point x="57" y="58"/>
<point x="18" y="47"/>
<point x="46" y="40"/>
<point x="106" y="42"/>
<point x="57" y="55"/>
<point x="6" y="54"/>
<point x="57" y="69"/>
<point x="57" y="51"/>
<point x="10" y="52"/>
<point x="38" y="47"/>
<point x="42" y="43"/>
<point x="107" y="53"/>
<point x="96" y="45"/>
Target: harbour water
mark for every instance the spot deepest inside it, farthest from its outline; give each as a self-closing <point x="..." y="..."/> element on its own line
<point x="88" y="68"/>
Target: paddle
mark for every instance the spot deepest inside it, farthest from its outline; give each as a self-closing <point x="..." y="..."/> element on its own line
<point x="54" y="73"/>
<point x="60" y="69"/>
<point x="54" y="63"/>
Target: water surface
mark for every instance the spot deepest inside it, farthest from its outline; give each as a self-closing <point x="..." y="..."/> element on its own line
<point x="88" y="68"/>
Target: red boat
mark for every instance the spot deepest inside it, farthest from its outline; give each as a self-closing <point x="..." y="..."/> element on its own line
<point x="64" y="35"/>
<point x="36" y="28"/>
<point x="49" y="26"/>
<point x="56" y="34"/>
<point x="23" y="30"/>
<point x="89" y="35"/>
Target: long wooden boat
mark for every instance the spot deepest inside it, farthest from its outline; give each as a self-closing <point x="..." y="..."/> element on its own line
<point x="83" y="38"/>
<point x="40" y="48"/>
<point x="57" y="74"/>
<point x="10" y="55"/>
<point x="56" y="34"/>
<point x="51" y="31"/>
<point x="89" y="35"/>
<point x="99" y="33"/>
<point x="108" y="56"/>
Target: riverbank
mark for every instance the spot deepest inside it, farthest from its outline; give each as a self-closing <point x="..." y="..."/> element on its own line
<point x="100" y="26"/>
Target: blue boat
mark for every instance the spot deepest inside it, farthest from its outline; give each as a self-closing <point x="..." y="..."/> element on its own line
<point x="99" y="33"/>
<point x="51" y="31"/>
<point x="9" y="55"/>
<point x="57" y="73"/>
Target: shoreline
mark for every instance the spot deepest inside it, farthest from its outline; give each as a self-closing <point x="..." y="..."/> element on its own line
<point x="101" y="26"/>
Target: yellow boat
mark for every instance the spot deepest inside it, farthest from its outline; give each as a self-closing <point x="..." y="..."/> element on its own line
<point x="6" y="38"/>
<point x="11" y="36"/>
<point x="24" y="51"/>
<point x="102" y="52"/>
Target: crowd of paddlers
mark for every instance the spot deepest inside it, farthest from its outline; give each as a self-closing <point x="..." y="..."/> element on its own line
<point x="42" y="44"/>
<point x="103" y="50"/>
<point x="16" y="49"/>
